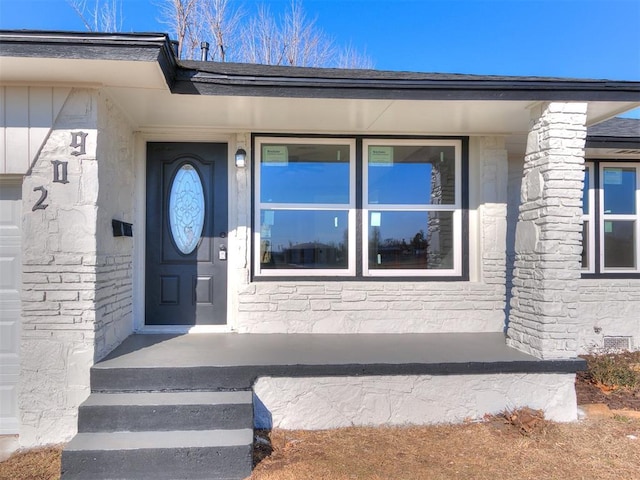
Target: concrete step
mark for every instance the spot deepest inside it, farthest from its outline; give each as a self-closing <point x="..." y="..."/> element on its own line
<point x="164" y="411"/>
<point x="114" y="379"/>
<point x="211" y="454"/>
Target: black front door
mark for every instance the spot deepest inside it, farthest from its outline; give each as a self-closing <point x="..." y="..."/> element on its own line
<point x="186" y="238"/>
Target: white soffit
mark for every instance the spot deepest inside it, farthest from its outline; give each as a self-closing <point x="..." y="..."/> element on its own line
<point x="148" y="109"/>
<point x="68" y="71"/>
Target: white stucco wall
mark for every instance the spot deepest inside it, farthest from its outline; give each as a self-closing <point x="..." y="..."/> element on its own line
<point x="76" y="298"/>
<point x="333" y="402"/>
<point x="58" y="310"/>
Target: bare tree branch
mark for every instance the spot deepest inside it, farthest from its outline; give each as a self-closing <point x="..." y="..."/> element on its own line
<point x="263" y="43"/>
<point x="179" y="16"/>
<point x="305" y="45"/>
<point x="292" y="39"/>
<point x="102" y="16"/>
<point x="349" y="57"/>
<point x="222" y="23"/>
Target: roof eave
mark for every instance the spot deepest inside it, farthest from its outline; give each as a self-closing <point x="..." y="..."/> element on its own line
<point x="201" y="83"/>
<point x="143" y="47"/>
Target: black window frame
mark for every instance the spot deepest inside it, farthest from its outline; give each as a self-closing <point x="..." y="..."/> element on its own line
<point x="359" y="178"/>
<point x="597" y="218"/>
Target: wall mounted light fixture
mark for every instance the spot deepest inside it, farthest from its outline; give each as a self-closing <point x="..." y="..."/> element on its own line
<point x="241" y="158"/>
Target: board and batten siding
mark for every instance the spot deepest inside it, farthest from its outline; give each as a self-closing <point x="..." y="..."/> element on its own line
<point x="26" y="117"/>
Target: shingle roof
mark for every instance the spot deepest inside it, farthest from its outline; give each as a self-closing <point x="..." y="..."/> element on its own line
<point x="227" y="79"/>
<point x="619" y="133"/>
<point x="275" y="71"/>
<point x="215" y="78"/>
<point x="616" y="127"/>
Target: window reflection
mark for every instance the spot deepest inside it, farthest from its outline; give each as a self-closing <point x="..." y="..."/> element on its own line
<point x="585" y="193"/>
<point x="585" y="244"/>
<point x="619" y="244"/>
<point x="295" y="173"/>
<point x="411" y="175"/>
<point x="619" y="190"/>
<point x="411" y="240"/>
<point x="292" y="239"/>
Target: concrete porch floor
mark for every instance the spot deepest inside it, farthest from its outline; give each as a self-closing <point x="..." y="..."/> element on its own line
<point x="332" y="355"/>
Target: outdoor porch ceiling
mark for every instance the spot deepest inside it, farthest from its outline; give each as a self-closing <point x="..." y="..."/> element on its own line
<point x="152" y="109"/>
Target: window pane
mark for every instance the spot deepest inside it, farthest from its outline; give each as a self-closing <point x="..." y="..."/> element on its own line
<point x="303" y="239"/>
<point x="585" y="244"/>
<point x="293" y="173"/>
<point x="411" y="240"/>
<point x="416" y="175"/>
<point x="619" y="190"/>
<point x="619" y="244"/>
<point x="585" y="192"/>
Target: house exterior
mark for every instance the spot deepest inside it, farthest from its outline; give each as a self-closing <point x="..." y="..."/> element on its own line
<point x="143" y="194"/>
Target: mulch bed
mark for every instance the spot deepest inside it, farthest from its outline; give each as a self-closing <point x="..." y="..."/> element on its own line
<point x="618" y="399"/>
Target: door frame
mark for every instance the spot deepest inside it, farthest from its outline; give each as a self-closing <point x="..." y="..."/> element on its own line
<point x="139" y="226"/>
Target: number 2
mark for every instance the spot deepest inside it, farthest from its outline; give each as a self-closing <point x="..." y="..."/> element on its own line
<point x="43" y="196"/>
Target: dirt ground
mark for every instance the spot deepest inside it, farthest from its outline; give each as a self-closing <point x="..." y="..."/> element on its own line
<point x="619" y="399"/>
<point x="594" y="449"/>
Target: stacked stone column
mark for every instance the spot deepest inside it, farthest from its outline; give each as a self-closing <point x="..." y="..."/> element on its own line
<point x="543" y="316"/>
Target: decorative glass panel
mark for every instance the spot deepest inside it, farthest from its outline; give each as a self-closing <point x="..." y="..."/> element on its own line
<point x="186" y="209"/>
<point x="303" y="239"/>
<point x="619" y="190"/>
<point x="411" y="240"/>
<point x="295" y="173"/>
<point x="619" y="244"/>
<point x="411" y="175"/>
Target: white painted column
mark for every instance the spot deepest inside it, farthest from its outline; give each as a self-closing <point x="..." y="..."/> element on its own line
<point x="548" y="244"/>
<point x="59" y="275"/>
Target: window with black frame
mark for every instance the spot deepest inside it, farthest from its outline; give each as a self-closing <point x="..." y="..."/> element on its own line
<point x="611" y="218"/>
<point x="409" y="211"/>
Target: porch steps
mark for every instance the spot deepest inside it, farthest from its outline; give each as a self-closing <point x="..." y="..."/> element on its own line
<point x="164" y="411"/>
<point x="162" y="435"/>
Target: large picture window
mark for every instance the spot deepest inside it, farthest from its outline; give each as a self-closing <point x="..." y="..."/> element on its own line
<point x="305" y="206"/>
<point x="412" y="205"/>
<point x="611" y="216"/>
<point x="395" y="210"/>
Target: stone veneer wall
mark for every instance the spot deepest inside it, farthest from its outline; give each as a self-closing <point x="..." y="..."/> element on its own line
<point x="608" y="307"/>
<point x="115" y="198"/>
<point x="76" y="279"/>
<point x="421" y="305"/>
<point x="543" y="319"/>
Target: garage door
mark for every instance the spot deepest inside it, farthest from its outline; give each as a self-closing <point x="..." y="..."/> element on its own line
<point x="10" y="286"/>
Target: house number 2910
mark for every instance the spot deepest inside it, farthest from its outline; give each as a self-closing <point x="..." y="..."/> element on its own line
<point x="78" y="144"/>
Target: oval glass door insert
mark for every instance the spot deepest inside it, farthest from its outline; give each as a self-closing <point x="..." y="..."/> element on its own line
<point x="186" y="209"/>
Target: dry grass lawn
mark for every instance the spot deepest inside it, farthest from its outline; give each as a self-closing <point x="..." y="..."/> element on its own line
<point x="495" y="450"/>
<point x="593" y="449"/>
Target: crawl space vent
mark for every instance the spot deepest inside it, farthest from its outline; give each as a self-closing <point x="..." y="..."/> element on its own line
<point x="617" y="343"/>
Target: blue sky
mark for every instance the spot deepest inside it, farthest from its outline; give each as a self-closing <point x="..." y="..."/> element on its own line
<point x="564" y="38"/>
